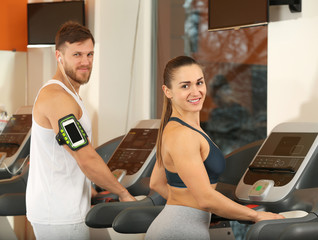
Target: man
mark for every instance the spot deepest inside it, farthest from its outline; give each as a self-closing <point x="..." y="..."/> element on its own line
<point x="58" y="190"/>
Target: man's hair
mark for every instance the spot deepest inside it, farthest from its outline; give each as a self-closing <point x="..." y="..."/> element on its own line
<point x="72" y="32"/>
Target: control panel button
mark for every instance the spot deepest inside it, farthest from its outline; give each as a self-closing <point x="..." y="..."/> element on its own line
<point x="260" y="189"/>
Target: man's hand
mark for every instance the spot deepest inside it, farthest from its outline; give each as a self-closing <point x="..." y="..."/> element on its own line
<point x="126" y="197"/>
<point x="94" y="192"/>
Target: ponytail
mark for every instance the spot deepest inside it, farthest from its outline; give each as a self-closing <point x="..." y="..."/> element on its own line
<point x="166" y="113"/>
<point x="170" y="68"/>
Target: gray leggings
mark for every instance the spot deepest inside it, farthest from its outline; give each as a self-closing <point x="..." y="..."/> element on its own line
<point x="180" y="222"/>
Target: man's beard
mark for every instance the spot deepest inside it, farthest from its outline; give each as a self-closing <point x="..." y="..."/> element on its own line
<point x="80" y="80"/>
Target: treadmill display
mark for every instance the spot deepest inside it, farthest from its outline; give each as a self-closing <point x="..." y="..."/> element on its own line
<point x="288" y="144"/>
<point x="134" y="150"/>
<point x="14" y="133"/>
<point x="280" y="157"/>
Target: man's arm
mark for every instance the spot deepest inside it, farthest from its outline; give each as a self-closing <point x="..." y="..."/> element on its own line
<point x="98" y="172"/>
<point x="52" y="105"/>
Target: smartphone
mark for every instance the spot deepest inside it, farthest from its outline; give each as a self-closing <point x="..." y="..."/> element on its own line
<point x="73" y="133"/>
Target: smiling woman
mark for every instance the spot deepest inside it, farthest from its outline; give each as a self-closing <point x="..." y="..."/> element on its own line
<point x="188" y="162"/>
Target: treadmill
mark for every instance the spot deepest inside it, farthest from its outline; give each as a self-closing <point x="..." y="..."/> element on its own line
<point x="278" y="175"/>
<point x="131" y="155"/>
<point x="132" y="163"/>
<point x="15" y="145"/>
<point x="14" y="162"/>
<point x="282" y="178"/>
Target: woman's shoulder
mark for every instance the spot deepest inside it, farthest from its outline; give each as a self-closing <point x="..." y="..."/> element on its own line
<point x="176" y="132"/>
<point x="181" y="141"/>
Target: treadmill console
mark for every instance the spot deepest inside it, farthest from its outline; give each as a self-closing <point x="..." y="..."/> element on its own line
<point x="13" y="140"/>
<point x="14" y="133"/>
<point x="279" y="163"/>
<point x="135" y="152"/>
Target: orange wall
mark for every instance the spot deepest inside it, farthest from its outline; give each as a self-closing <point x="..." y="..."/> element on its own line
<point x="13" y="25"/>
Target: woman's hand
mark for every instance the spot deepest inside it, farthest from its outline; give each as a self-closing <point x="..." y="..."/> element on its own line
<point x="260" y="216"/>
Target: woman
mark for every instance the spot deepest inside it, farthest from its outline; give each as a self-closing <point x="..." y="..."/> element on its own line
<point x="188" y="162"/>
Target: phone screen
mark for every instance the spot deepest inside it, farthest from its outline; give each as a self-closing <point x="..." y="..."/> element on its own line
<point x="73" y="132"/>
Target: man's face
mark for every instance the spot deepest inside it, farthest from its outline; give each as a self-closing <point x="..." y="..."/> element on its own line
<point x="78" y="60"/>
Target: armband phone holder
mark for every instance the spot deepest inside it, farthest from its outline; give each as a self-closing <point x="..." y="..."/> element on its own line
<point x="71" y="133"/>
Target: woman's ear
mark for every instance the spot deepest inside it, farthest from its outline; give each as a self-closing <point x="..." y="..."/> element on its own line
<point x="167" y="91"/>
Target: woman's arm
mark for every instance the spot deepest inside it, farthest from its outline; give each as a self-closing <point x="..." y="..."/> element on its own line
<point x="158" y="181"/>
<point x="185" y="151"/>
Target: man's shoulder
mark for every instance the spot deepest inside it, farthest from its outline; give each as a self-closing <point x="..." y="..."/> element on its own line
<point x="52" y="88"/>
<point x="54" y="97"/>
<point x="53" y="92"/>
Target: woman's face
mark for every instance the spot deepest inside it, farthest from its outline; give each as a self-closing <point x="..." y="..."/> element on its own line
<point x="188" y="89"/>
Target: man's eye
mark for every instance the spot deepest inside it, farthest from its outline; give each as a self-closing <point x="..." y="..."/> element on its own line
<point x="184" y="86"/>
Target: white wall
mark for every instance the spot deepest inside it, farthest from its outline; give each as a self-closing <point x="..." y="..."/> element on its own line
<point x="41" y="65"/>
<point x="293" y="64"/>
<point x="123" y="33"/>
<point x="13" y="77"/>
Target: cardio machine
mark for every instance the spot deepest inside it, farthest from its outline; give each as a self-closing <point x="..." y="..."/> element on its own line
<point x="278" y="175"/>
<point x="132" y="164"/>
<point x="15" y="145"/>
<point x="130" y="157"/>
<point x="282" y="178"/>
<point x="14" y="159"/>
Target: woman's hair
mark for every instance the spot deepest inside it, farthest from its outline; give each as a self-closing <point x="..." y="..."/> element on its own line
<point x="168" y="75"/>
<point x="72" y="32"/>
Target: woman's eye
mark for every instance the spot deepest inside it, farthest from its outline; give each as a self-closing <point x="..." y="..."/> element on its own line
<point x="184" y="86"/>
<point x="200" y="83"/>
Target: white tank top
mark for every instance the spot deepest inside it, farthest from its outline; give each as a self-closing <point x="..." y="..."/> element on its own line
<point x="57" y="190"/>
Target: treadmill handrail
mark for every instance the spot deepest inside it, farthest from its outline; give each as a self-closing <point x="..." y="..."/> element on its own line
<point x="136" y="219"/>
<point x="103" y="214"/>
<point x="12" y="204"/>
